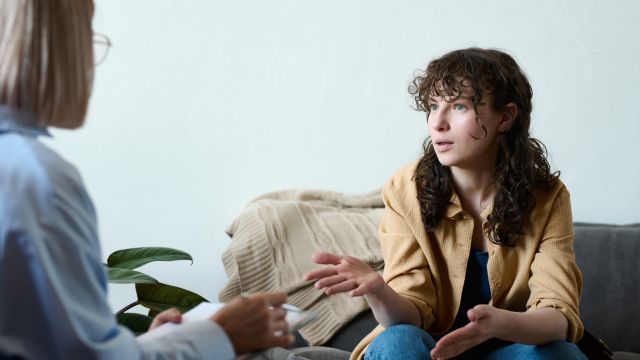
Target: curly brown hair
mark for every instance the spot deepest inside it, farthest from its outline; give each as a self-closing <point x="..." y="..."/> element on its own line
<point x="521" y="164"/>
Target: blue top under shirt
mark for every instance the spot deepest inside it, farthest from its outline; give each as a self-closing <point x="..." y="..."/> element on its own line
<point x="476" y="288"/>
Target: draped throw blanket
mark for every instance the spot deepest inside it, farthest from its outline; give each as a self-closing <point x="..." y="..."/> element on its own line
<point x="276" y="234"/>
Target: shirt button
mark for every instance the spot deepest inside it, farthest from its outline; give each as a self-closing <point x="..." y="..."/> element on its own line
<point x="493" y="251"/>
<point x="497" y="284"/>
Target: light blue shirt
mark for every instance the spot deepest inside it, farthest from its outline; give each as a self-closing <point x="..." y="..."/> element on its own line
<point x="52" y="283"/>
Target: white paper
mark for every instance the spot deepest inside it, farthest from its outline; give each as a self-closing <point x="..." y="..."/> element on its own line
<point x="205" y="310"/>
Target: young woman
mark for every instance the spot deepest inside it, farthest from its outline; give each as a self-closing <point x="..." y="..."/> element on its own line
<point x="52" y="282"/>
<point x="477" y="235"/>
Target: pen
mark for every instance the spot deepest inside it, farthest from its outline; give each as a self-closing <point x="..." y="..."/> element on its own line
<point x="287" y="307"/>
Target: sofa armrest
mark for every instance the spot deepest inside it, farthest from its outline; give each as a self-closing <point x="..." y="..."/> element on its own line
<point x="609" y="258"/>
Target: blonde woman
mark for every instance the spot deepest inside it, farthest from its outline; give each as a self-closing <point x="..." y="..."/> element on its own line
<point x="52" y="284"/>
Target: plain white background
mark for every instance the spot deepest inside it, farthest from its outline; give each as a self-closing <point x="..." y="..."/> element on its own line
<point x="202" y="105"/>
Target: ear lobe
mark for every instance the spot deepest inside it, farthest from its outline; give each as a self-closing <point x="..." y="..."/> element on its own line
<point x="508" y="117"/>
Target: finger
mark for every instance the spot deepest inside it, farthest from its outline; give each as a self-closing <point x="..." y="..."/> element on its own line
<point x="448" y="349"/>
<point x="451" y="350"/>
<point x="341" y="287"/>
<point x="478" y="312"/>
<point x="326" y="258"/>
<point x="279" y="325"/>
<point x="457" y="342"/>
<point x="362" y="289"/>
<point x="171" y="315"/>
<point x="329" y="281"/>
<point x="278" y="313"/>
<point x="449" y="339"/>
<point x="320" y="273"/>
<point x="458" y="334"/>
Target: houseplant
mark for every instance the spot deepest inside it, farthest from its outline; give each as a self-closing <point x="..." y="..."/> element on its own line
<point x="150" y="293"/>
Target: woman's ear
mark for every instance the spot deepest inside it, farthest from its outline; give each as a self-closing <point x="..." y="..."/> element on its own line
<point x="509" y="114"/>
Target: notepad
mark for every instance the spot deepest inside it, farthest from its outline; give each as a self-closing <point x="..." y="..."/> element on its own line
<point x="296" y="318"/>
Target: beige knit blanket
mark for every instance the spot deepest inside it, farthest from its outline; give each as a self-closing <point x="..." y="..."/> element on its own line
<point x="275" y="235"/>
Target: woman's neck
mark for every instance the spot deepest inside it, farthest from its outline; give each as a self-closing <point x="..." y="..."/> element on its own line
<point x="475" y="188"/>
<point x="476" y="191"/>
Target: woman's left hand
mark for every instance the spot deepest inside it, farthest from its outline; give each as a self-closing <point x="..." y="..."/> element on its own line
<point x="485" y="323"/>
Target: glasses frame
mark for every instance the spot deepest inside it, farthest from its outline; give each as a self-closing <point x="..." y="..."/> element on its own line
<point x="101" y="40"/>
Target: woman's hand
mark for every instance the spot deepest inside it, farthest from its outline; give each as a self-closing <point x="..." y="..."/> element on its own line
<point x="486" y="322"/>
<point x="532" y="327"/>
<point x="172" y="315"/>
<point x="346" y="274"/>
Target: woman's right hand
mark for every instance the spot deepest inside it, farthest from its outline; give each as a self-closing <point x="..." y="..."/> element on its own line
<point x="348" y="274"/>
<point x="345" y="274"/>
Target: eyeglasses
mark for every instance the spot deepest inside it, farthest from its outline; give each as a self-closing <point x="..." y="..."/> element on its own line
<point x="101" y="45"/>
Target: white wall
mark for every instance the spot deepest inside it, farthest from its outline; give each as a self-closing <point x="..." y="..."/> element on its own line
<point x="203" y="105"/>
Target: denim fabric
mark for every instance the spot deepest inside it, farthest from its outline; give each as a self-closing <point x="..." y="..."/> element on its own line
<point x="476" y="288"/>
<point x="410" y="342"/>
<point x="401" y="342"/>
<point x="560" y="350"/>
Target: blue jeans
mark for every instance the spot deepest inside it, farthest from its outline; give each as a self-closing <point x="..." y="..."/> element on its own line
<point x="411" y="342"/>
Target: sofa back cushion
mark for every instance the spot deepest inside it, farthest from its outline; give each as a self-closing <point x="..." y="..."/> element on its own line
<point x="609" y="257"/>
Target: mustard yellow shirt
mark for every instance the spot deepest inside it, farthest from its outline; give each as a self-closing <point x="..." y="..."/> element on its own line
<point x="429" y="268"/>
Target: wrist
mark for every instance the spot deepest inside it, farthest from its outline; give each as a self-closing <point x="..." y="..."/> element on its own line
<point x="504" y="322"/>
<point x="378" y="286"/>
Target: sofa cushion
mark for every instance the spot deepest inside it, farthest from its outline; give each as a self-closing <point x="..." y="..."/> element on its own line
<point x="609" y="257"/>
<point x="349" y="335"/>
<point x="623" y="355"/>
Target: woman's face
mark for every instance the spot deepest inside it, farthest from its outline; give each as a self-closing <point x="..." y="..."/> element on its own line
<point x="458" y="138"/>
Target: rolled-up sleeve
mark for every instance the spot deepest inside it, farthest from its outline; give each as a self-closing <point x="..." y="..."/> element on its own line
<point x="406" y="268"/>
<point x="555" y="278"/>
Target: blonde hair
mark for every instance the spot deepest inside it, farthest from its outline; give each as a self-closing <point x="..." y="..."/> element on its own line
<point x="46" y="59"/>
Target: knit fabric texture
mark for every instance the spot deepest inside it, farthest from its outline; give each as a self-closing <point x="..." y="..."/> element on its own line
<point x="276" y="234"/>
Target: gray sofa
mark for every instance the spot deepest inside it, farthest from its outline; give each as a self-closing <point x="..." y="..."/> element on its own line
<point x="609" y="257"/>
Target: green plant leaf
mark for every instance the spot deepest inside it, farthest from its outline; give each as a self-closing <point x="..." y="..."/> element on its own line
<point x="136" y="257"/>
<point x="137" y="323"/>
<point x="126" y="276"/>
<point x="162" y="296"/>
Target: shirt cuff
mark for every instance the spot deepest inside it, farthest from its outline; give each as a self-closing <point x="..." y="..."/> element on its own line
<point x="204" y="337"/>
<point x="209" y="338"/>
<point x="575" y="327"/>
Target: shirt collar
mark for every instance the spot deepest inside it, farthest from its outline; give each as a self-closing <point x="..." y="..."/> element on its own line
<point x="14" y="120"/>
<point x="455" y="208"/>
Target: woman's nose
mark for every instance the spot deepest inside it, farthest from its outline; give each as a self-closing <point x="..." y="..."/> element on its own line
<point x="437" y="121"/>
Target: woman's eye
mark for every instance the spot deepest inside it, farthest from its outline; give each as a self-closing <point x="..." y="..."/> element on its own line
<point x="433" y="107"/>
<point x="459" y="107"/>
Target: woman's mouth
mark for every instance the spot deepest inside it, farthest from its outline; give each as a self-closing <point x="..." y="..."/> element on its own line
<point x="443" y="145"/>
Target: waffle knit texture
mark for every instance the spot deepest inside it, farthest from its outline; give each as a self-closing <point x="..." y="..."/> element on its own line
<point x="428" y="268"/>
<point x="276" y="234"/>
